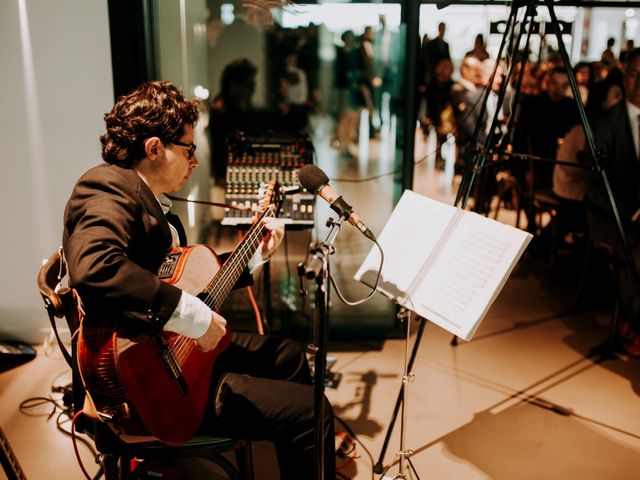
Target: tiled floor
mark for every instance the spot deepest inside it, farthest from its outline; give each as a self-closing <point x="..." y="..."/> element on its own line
<point x="523" y="400"/>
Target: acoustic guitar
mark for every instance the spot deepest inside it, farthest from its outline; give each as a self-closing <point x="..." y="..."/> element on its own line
<point x="143" y="385"/>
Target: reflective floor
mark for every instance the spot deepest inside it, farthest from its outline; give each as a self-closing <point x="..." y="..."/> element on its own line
<point x="525" y="399"/>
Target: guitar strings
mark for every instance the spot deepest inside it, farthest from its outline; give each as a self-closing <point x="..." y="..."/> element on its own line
<point x="182" y="346"/>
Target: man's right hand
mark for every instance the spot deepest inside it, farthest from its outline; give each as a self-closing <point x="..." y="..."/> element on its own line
<point x="215" y="332"/>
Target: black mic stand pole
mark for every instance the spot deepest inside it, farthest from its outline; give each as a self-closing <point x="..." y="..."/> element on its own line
<point x="316" y="266"/>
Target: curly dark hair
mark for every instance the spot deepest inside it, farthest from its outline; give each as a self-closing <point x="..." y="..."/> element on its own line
<point x="154" y="109"/>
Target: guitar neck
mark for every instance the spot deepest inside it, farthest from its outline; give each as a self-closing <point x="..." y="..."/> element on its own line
<point x="220" y="286"/>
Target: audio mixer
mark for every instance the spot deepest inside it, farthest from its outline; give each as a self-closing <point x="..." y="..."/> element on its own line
<point x="256" y="159"/>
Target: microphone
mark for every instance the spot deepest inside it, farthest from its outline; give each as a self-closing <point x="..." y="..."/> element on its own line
<point x="317" y="182"/>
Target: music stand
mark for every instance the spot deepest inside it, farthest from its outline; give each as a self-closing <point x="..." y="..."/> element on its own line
<point x="471" y="171"/>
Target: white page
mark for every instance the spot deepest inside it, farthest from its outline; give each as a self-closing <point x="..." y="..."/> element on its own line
<point x="471" y="269"/>
<point x="410" y="235"/>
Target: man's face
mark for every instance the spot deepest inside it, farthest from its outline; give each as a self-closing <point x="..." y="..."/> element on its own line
<point x="632" y="81"/>
<point x="583" y="76"/>
<point x="471" y="70"/>
<point x="368" y="34"/>
<point x="175" y="166"/>
<point x="557" y="86"/>
<point x="443" y="71"/>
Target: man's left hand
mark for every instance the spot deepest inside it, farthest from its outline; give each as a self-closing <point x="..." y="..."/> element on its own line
<point x="273" y="236"/>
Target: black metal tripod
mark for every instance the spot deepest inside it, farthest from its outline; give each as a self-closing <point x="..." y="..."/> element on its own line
<point x="476" y="162"/>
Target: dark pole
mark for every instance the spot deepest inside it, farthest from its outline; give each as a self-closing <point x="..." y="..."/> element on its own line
<point x="410" y="17"/>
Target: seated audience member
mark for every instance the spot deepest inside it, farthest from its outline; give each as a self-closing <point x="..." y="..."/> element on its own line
<point x="570" y="183"/>
<point x="465" y="100"/>
<point x="584" y="79"/>
<point x="544" y="120"/>
<point x="437" y="96"/>
<point x="616" y="132"/>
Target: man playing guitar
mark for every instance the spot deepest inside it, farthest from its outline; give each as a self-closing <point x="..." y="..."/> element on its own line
<point x="116" y="238"/>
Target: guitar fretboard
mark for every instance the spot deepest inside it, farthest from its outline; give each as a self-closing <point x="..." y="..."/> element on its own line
<point x="220" y="286"/>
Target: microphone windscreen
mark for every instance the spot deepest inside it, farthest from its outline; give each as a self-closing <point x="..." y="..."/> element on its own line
<point x="312" y="178"/>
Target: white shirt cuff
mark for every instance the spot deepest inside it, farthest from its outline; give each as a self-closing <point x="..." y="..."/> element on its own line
<point x="256" y="260"/>
<point x="191" y="317"/>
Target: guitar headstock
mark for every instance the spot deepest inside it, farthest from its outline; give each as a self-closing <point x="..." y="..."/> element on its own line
<point x="271" y="201"/>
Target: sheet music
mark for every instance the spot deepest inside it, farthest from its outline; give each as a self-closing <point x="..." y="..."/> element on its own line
<point x="454" y="262"/>
<point x="410" y="235"/>
<point x="465" y="279"/>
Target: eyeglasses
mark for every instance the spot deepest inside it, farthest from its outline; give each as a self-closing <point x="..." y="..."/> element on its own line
<point x="191" y="146"/>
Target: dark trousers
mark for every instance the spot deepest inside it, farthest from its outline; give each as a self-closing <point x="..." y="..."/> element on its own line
<point x="603" y="228"/>
<point x="261" y="390"/>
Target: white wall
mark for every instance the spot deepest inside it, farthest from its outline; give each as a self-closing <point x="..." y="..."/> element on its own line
<point x="55" y="85"/>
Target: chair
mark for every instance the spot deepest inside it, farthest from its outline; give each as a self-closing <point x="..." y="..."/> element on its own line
<point x="565" y="217"/>
<point x="116" y="455"/>
<point x="599" y="250"/>
<point x="507" y="187"/>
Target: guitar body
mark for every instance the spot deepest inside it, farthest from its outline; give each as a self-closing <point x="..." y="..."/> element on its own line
<point x="143" y="386"/>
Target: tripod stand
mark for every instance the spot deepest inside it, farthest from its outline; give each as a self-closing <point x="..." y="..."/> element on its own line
<point x="476" y="163"/>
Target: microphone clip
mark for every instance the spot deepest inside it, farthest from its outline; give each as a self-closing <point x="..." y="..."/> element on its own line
<point x="342" y="208"/>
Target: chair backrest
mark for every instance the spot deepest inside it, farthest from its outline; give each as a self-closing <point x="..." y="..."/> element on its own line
<point x="59" y="301"/>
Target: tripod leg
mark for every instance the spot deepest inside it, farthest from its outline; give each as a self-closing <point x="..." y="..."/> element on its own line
<point x="378" y="467"/>
<point x="9" y="462"/>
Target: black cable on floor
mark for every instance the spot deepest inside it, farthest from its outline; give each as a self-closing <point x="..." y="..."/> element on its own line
<point x="353" y="435"/>
<point x="64" y="411"/>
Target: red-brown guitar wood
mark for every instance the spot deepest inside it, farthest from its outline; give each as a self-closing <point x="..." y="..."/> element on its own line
<point x="158" y="386"/>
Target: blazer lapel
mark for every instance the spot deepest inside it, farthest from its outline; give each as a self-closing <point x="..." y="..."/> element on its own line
<point x="151" y="204"/>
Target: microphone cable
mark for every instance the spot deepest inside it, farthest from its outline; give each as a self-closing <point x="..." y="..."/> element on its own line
<point x="374" y="288"/>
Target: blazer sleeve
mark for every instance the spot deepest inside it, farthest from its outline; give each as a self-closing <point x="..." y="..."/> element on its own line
<point x="113" y="247"/>
<point x="612" y="135"/>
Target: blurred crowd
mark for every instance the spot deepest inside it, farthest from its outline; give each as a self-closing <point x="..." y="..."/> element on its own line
<point x="520" y="119"/>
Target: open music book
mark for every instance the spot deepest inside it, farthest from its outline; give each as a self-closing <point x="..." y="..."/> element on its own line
<point x="446" y="264"/>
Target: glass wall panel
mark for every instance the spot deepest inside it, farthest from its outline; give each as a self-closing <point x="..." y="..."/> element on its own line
<point x="335" y="71"/>
<point x="332" y="73"/>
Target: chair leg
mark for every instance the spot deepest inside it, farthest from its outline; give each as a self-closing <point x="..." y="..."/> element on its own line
<point x="584" y="274"/>
<point x="614" y="327"/>
<point x="110" y="467"/>
<point x="244" y="458"/>
<point x="554" y="243"/>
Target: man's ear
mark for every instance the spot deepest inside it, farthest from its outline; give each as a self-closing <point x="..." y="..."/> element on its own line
<point x="153" y="148"/>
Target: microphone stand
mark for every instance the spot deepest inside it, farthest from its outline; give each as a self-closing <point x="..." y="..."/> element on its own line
<point x="316" y="266"/>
